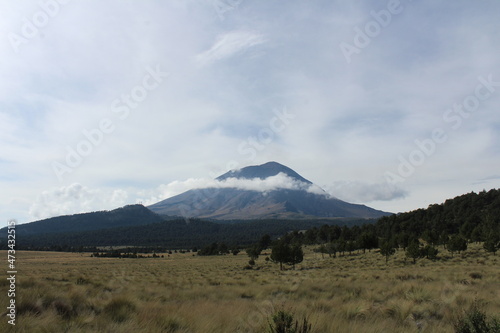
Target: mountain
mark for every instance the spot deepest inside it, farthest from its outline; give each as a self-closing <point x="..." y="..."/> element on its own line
<point x="131" y="215"/>
<point x="270" y="190"/>
<point x="262" y="172"/>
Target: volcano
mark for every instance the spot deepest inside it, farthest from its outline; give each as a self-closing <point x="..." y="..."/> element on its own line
<point x="267" y="191"/>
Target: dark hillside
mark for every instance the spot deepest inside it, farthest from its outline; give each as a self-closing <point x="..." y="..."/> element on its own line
<point x="131" y="215"/>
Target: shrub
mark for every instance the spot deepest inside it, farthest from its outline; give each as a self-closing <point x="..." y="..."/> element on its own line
<point x="475" y="321"/>
<point x="456" y="244"/>
<point x="283" y="322"/>
<point x="81" y="281"/>
<point x="430" y="252"/>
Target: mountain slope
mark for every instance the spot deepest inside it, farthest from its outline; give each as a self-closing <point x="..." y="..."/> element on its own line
<point x="132" y="215"/>
<point x="299" y="198"/>
<point x="174" y="234"/>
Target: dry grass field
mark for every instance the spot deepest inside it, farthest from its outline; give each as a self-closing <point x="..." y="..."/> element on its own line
<point x="72" y="292"/>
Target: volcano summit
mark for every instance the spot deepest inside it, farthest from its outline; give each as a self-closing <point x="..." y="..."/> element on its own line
<point x="270" y="190"/>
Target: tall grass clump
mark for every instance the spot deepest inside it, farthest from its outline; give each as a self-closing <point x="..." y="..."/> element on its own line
<point x="119" y="309"/>
<point x="283" y="322"/>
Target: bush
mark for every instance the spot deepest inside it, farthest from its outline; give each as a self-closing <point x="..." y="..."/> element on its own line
<point x="475" y="321"/>
<point x="430" y="252"/>
<point x="283" y="322"/>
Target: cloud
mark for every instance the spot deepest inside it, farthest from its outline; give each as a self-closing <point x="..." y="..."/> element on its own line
<point x="279" y="181"/>
<point x="486" y="179"/>
<point x="74" y="199"/>
<point x="228" y="45"/>
<point x="353" y="120"/>
<point x="360" y="192"/>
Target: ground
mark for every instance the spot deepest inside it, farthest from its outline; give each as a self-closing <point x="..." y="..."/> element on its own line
<point x="73" y="292"/>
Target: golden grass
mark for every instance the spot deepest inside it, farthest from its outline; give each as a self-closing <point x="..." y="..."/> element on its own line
<point x="68" y="292"/>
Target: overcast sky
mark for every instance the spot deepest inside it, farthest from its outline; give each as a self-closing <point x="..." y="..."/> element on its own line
<point x="394" y="104"/>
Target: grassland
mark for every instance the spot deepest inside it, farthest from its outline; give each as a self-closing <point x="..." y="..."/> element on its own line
<point x="71" y="292"/>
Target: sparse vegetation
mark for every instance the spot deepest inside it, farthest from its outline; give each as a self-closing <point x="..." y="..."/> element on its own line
<point x="184" y="293"/>
<point x="328" y="275"/>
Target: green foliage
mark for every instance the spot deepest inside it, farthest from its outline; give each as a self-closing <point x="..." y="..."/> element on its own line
<point x="168" y="234"/>
<point x="265" y="242"/>
<point x="214" y="249"/>
<point x="492" y="243"/>
<point x="321" y="249"/>
<point x="456" y="244"/>
<point x="472" y="215"/>
<point x="296" y="255"/>
<point x="367" y="241"/>
<point x="430" y="252"/>
<point x="331" y="249"/>
<point x="476" y="321"/>
<point x="387" y="250"/>
<point x="413" y="250"/>
<point x="284" y="253"/>
<point x="254" y="252"/>
<point x="283" y="322"/>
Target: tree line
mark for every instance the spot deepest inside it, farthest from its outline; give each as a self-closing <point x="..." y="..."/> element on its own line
<point x="473" y="217"/>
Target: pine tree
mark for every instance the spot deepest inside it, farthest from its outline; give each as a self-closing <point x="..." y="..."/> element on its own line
<point x="387" y="250"/>
<point x="413" y="250"/>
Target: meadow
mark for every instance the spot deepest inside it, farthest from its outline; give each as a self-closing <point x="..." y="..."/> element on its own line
<point x="186" y="293"/>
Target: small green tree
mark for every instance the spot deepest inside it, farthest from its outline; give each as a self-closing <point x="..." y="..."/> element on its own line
<point x="413" y="250"/>
<point x="456" y="244"/>
<point x="265" y="242"/>
<point x="341" y="246"/>
<point x="253" y="252"/>
<point x="430" y="252"/>
<point x="321" y="249"/>
<point x="284" y="253"/>
<point x="387" y="250"/>
<point x="492" y="243"/>
<point x="296" y="255"/>
<point x="332" y="249"/>
<point x="350" y="246"/>
<point x="367" y="241"/>
<point x="280" y="252"/>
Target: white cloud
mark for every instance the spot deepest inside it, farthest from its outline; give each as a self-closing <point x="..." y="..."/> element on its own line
<point x="352" y="122"/>
<point x="228" y="45"/>
<point x="74" y="199"/>
<point x="279" y="181"/>
<point x="360" y="192"/>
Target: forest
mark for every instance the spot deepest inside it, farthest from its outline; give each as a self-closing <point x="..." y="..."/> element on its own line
<point x="472" y="217"/>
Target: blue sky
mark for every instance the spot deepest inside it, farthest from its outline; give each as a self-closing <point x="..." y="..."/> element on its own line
<point x="391" y="104"/>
